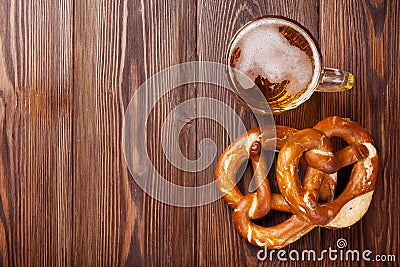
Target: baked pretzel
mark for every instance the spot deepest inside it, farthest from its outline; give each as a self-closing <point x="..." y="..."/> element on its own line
<point x="318" y="184"/>
<point x="354" y="201"/>
<point x="258" y="204"/>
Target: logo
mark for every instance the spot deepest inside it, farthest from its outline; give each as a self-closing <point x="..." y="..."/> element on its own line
<point x="340" y="253"/>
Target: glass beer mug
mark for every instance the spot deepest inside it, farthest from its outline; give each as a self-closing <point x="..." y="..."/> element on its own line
<point x="284" y="63"/>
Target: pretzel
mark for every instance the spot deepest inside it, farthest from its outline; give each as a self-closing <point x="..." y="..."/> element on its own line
<point x="312" y="149"/>
<point x="258" y="204"/>
<point x="354" y="201"/>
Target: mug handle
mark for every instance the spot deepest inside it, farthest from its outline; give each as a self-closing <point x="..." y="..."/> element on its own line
<point x="335" y="80"/>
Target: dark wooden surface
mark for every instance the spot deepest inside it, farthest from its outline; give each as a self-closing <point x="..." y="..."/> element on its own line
<point x="67" y="72"/>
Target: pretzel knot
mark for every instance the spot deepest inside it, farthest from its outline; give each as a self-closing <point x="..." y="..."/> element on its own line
<point x="311" y="201"/>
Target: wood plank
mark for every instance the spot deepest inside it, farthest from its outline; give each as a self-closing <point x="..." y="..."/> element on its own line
<point x="98" y="170"/>
<point x="119" y="45"/>
<point x="217" y="23"/>
<point x="368" y="46"/>
<point x="35" y="133"/>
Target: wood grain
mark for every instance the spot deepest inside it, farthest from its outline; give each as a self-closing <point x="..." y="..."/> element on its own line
<point x="167" y="39"/>
<point x="68" y="70"/>
<point x="97" y="170"/>
<point x="36" y="119"/>
<point x="117" y="49"/>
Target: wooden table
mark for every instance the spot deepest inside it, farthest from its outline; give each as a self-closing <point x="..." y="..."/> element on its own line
<point x="68" y="70"/>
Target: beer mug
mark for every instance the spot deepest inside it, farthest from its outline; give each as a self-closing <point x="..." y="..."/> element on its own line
<point x="284" y="64"/>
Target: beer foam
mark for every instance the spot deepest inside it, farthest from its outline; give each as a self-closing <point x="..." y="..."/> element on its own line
<point x="266" y="52"/>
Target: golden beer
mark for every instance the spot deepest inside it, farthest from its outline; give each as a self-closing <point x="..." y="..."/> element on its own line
<point x="283" y="62"/>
